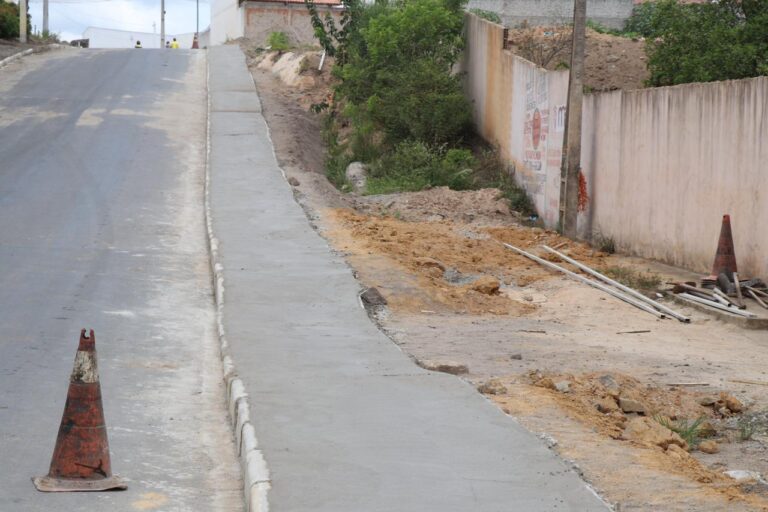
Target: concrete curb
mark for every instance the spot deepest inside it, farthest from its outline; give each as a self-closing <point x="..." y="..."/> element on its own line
<point x="16" y="56"/>
<point x="256" y="478"/>
<point x="30" y="51"/>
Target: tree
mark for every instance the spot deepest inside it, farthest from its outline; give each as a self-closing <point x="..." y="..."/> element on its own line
<point x="707" y="42"/>
<point x="399" y="71"/>
<point x="9" y="20"/>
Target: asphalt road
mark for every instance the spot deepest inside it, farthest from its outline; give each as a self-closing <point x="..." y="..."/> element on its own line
<point x="101" y="226"/>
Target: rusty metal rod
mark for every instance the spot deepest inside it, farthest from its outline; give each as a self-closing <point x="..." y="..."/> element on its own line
<point x="683" y="286"/>
<point x="716" y="305"/>
<point x="595" y="284"/>
<point x="625" y="289"/>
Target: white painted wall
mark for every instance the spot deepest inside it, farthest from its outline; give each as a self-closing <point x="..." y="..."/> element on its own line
<point x="227" y="21"/>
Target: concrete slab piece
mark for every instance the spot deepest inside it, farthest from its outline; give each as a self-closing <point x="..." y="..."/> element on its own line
<point x="345" y="420"/>
<point x="235" y="101"/>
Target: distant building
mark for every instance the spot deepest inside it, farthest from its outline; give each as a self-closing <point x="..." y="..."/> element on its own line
<point x="257" y="19"/>
<point x="111" y="38"/>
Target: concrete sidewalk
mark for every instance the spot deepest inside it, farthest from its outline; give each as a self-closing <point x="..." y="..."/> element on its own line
<point x="346" y="421"/>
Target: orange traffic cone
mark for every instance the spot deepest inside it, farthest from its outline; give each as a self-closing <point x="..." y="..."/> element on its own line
<point x="725" y="257"/>
<point x="81" y="457"/>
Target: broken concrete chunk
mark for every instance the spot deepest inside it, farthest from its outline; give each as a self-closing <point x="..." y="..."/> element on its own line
<point x="707" y="401"/>
<point x="563" y="386"/>
<point x="742" y="475"/>
<point x="492" y="387"/>
<point x="631" y="405"/>
<point x="293" y="182"/>
<point x="708" y="447"/>
<point x="646" y="431"/>
<point x="516" y="357"/>
<point x="487" y="285"/>
<point x="451" y="367"/>
<point x="611" y="386"/>
<point x="373" y="297"/>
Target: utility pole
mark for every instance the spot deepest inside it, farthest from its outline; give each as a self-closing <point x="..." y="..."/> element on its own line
<point x="162" y="23"/>
<point x="569" y="173"/>
<point x="23" y="21"/>
<point x="45" y="18"/>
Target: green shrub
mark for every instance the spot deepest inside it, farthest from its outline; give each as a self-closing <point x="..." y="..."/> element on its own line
<point x="9" y="20"/>
<point x="724" y="40"/>
<point x="278" y="41"/>
<point x="487" y="15"/>
<point x="399" y="72"/>
<point x="414" y="166"/>
<point x="690" y="431"/>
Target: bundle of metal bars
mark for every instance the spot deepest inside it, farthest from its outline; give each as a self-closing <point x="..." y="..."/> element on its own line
<point x="725" y="294"/>
<point x="611" y="287"/>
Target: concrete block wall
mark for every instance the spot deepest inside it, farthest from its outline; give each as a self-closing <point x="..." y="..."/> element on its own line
<point x="611" y="13"/>
<point x="263" y="18"/>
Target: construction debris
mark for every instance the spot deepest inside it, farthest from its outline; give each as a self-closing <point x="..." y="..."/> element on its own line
<point x="626" y="289"/>
<point x="594" y="284"/>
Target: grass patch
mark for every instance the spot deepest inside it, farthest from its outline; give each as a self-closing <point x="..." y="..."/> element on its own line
<point x="628" y="276"/>
<point x="689" y="430"/>
<point x="604" y="243"/>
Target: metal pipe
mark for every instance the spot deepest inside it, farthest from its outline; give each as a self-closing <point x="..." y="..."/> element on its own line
<point x="322" y="60"/>
<point x="724" y="296"/>
<point x="716" y="305"/>
<point x="719" y="299"/>
<point x="595" y="284"/>
<point x="626" y="289"/>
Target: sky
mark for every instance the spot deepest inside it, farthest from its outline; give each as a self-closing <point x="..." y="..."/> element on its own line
<point x="69" y="18"/>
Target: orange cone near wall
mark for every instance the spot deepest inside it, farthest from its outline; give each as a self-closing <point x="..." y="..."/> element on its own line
<point x="81" y="457"/>
<point x="725" y="257"/>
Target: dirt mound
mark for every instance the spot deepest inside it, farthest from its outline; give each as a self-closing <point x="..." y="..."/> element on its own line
<point x="598" y="399"/>
<point x="485" y="207"/>
<point x="447" y="260"/>
<point x="611" y="62"/>
<point x="594" y="400"/>
<point x="298" y="72"/>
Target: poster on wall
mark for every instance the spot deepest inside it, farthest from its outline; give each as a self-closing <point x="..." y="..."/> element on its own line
<point x="536" y="130"/>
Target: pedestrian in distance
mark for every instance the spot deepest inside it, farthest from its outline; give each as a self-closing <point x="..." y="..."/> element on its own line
<point x="167" y="44"/>
<point x="138" y="44"/>
<point x="174" y="44"/>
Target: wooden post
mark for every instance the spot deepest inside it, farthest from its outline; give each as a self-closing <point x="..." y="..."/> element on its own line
<point x="569" y="174"/>
<point x="23" y="21"/>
